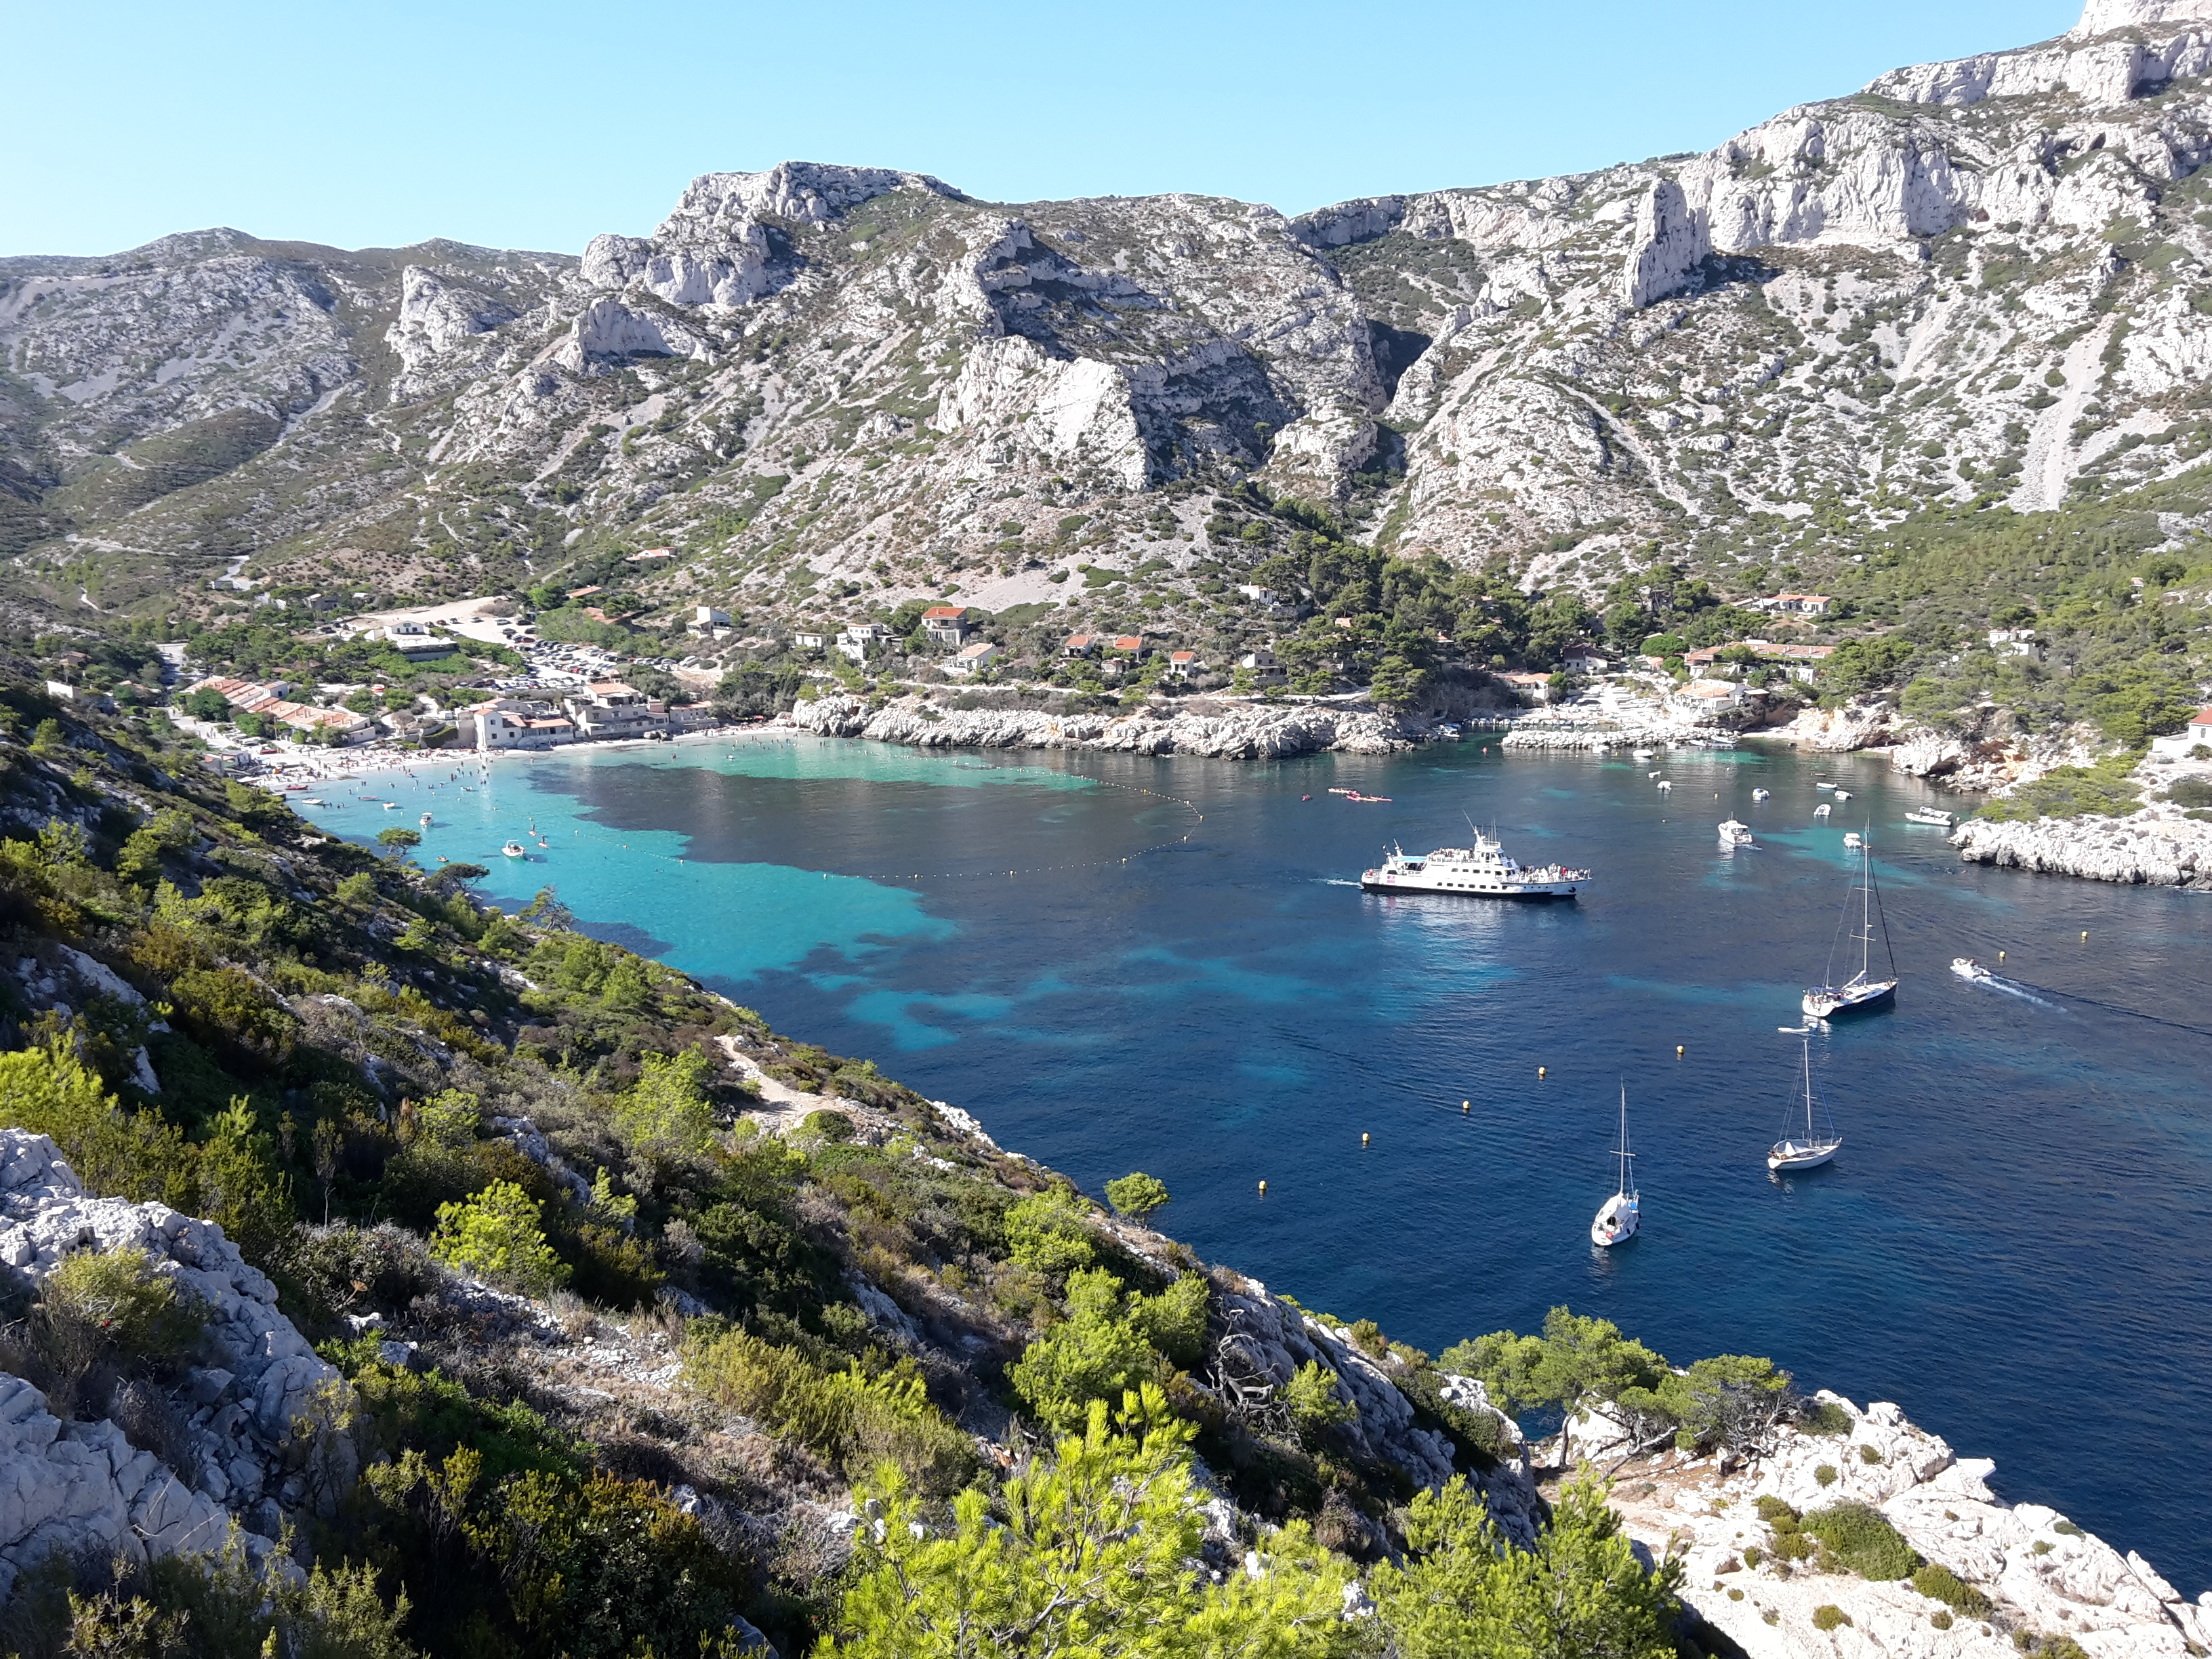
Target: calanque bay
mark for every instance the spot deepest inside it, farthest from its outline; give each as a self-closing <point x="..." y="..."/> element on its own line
<point x="2013" y="1245"/>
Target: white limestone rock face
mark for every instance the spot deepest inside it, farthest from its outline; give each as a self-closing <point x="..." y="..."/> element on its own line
<point x="1668" y="246"/>
<point x="258" y="1418"/>
<point x="2043" y="1575"/>
<point x="2151" y="848"/>
<point x="1256" y="733"/>
<point x="437" y="314"/>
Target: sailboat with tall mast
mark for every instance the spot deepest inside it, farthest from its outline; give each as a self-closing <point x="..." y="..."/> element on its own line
<point x="1810" y="1148"/>
<point x="1619" y="1217"/>
<point x="1862" y="991"/>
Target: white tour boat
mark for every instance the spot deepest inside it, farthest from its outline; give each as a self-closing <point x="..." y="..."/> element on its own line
<point x="1482" y="870"/>
<point x="1812" y="1149"/>
<point x="1736" y="833"/>
<point x="1862" y="991"/>
<point x="1930" y="815"/>
<point x="515" y="849"/>
<point x="1619" y="1217"/>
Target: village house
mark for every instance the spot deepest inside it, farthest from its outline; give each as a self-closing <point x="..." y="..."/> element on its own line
<point x="608" y="709"/>
<point x="859" y="639"/>
<point x="2016" y="642"/>
<point x="1080" y="645"/>
<point x="807" y="640"/>
<point x="1585" y="660"/>
<point x="706" y="615"/>
<point x="1797" y="604"/>
<point x="1706" y="700"/>
<point x="514" y="723"/>
<point x="2197" y="733"/>
<point x="1181" y="665"/>
<point x="948" y="624"/>
<point x="1536" y="687"/>
<point x="1131" y="646"/>
<point x="972" y="658"/>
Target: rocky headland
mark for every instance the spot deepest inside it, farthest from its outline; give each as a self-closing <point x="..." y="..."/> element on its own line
<point x="2154" y="847"/>
<point x="1215" y="729"/>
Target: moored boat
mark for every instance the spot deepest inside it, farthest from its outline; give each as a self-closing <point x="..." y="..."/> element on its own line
<point x="1861" y="992"/>
<point x="1934" y="815"/>
<point x="1619" y="1216"/>
<point x="515" y="849"/>
<point x="1482" y="870"/>
<point x="1735" y="832"/>
<point x="1812" y="1148"/>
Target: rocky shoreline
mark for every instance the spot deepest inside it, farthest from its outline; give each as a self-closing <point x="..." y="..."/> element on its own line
<point x="2151" y="848"/>
<point x="1256" y="732"/>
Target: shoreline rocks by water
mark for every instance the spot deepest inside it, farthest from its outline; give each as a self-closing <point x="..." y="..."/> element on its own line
<point x="1252" y="732"/>
<point x="2043" y="1576"/>
<point x="2150" y="849"/>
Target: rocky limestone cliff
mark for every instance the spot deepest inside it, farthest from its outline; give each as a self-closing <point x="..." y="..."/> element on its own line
<point x="1253" y="733"/>
<point x="2045" y="1576"/>
<point x="832" y="386"/>
<point x="255" y="1431"/>
<point x="2154" y="847"/>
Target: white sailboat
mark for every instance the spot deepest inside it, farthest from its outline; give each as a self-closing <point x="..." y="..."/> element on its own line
<point x="1619" y="1217"/>
<point x="1862" y="991"/>
<point x="1811" y="1149"/>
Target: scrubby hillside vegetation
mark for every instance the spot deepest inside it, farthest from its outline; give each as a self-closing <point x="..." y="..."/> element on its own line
<point x="629" y="1359"/>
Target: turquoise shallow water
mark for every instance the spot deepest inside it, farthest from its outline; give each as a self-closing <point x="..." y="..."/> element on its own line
<point x="2014" y="1244"/>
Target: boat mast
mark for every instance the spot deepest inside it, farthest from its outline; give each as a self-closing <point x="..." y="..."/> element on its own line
<point x="1866" y="893"/>
<point x="1808" y="1089"/>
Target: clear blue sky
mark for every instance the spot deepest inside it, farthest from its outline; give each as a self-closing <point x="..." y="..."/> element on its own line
<point x="536" y="126"/>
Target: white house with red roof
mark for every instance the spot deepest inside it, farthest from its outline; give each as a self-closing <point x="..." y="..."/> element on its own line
<point x="2178" y="747"/>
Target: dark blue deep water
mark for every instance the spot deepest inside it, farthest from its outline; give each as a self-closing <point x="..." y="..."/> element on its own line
<point x="2014" y="1244"/>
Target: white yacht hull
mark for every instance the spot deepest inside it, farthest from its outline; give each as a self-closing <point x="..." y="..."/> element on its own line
<point x="1470" y="886"/>
<point x="1617" y="1223"/>
<point x="1791" y="1155"/>
<point x="1840" y="1001"/>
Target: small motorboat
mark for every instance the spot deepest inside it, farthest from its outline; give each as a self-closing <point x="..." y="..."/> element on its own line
<point x="1640" y="754"/>
<point x="309" y="801"/>
<point x="1760" y="794"/>
<point x="1821" y="811"/>
<point x="1967" y="968"/>
<point x="1736" y="833"/>
<point x="392" y="806"/>
<point x="1851" y="838"/>
<point x="1665" y="784"/>
<point x="1651" y="775"/>
<point x="515" y="849"/>
<point x="1843" y="794"/>
<point x="1824" y="783"/>
<point x="1934" y="815"/>
<point x="426" y="820"/>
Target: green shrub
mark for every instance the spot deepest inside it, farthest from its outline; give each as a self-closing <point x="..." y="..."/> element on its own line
<point x="1752" y="1555"/>
<point x="827" y="1126"/>
<point x="1825" y="1475"/>
<point x="1869" y="1454"/>
<point x="1315" y="1405"/>
<point x="850" y="1420"/>
<point x="1823" y="1417"/>
<point x="1777" y="1513"/>
<point x="665" y="1113"/>
<point x="1863" y="1541"/>
<point x="497" y="1236"/>
<point x="1051" y="1232"/>
<point x="2067" y="1530"/>
<point x="1828" y="1616"/>
<point x="109" y="1305"/>
<point x="1939" y="1583"/>
<point x="1137" y="1195"/>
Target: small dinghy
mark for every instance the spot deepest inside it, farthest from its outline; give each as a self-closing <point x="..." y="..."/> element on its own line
<point x="514" y="850"/>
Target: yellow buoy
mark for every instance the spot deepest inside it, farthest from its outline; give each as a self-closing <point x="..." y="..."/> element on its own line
<point x="1465" y="1106"/>
<point x="1678" y="1051"/>
<point x="2085" y="935"/>
<point x="1263" y="1189"/>
<point x="1539" y="1072"/>
<point x="1363" y="1138"/>
<point x="1999" y="956"/>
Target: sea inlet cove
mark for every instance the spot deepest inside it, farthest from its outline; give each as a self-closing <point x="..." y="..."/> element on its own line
<point x="849" y="912"/>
